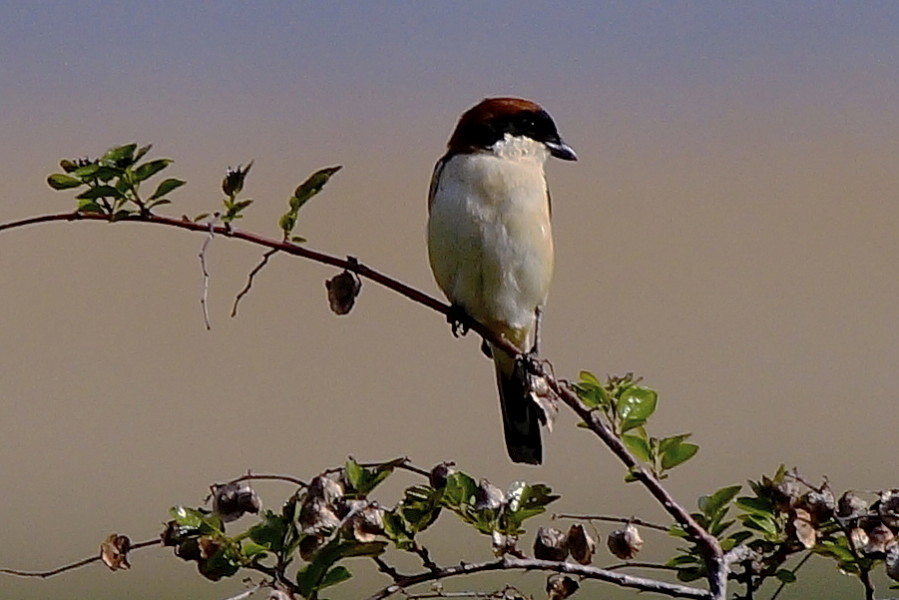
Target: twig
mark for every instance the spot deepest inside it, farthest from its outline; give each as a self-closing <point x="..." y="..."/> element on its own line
<point x="511" y="563"/>
<point x="640" y="565"/>
<point x="611" y="519"/>
<point x="271" y="477"/>
<point x="76" y="564"/>
<point x="798" y="566"/>
<point x="246" y="593"/>
<point x="205" y="296"/>
<point x="385" y="568"/>
<point x="246" y="289"/>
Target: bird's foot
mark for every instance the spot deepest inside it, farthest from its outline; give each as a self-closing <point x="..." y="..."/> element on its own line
<point x="456" y="318"/>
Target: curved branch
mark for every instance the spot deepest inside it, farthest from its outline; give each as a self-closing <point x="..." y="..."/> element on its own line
<point x="76" y="564"/>
<point x="611" y="519"/>
<point x="508" y="563"/>
<point x="707" y="543"/>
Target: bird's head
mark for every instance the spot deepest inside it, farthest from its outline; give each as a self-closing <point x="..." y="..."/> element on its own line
<point x="501" y="125"/>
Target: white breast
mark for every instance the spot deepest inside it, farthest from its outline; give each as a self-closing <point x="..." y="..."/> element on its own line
<point x="489" y="236"/>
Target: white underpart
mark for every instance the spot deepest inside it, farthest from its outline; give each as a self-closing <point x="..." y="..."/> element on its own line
<point x="489" y="236"/>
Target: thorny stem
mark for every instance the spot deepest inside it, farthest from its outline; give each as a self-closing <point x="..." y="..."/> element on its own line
<point x="717" y="567"/>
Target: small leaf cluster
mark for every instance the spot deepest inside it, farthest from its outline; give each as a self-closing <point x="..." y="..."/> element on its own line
<point x="232" y="186"/>
<point x="113" y="182"/>
<point x="785" y="516"/>
<point x="303" y="546"/>
<point x="304" y="192"/>
<point x="627" y="406"/>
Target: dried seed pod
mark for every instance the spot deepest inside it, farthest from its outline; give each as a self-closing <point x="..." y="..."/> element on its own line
<point x="309" y="545"/>
<point x="801" y="527"/>
<point x="488" y="496"/>
<point x="343" y="289"/>
<point x="786" y="494"/>
<point x="851" y="506"/>
<point x="367" y="523"/>
<point x="232" y="500"/>
<point x="892" y="562"/>
<point x="820" y="504"/>
<point x="114" y="552"/>
<point x="559" y="586"/>
<point x="878" y="539"/>
<point x="625" y="543"/>
<point x="327" y="487"/>
<point x="317" y="517"/>
<point x="440" y="473"/>
<point x="580" y="544"/>
<point x="550" y="544"/>
<point x="858" y="538"/>
<point x="888" y="508"/>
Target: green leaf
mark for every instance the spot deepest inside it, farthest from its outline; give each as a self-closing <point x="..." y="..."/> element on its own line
<point x="785" y="576"/>
<point x="420" y="507"/>
<point x="396" y="531"/>
<point x="271" y="532"/>
<point x="591" y="391"/>
<point x="148" y="169"/>
<point x="287" y="222"/>
<point x="760" y="506"/>
<point x="120" y="156"/>
<point x="365" y="479"/>
<point x="203" y="523"/>
<point x="165" y="187"/>
<point x="636" y="403"/>
<point x="89" y="206"/>
<point x="638" y="446"/>
<point x="59" y="181"/>
<point x="679" y="454"/>
<point x="86" y="172"/>
<point x="141" y="152"/>
<point x="313" y="185"/>
<point x="712" y="505"/>
<point x="252" y="549"/>
<point x="100" y="191"/>
<point x="338" y="574"/>
<point x="460" y="489"/>
<point x="526" y="501"/>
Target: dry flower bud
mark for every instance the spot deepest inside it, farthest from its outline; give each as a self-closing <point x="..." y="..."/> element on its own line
<point x="440" y="473"/>
<point x="232" y="500"/>
<point x="878" y="540"/>
<point x="367" y="523"/>
<point x="819" y="504"/>
<point x="317" y="517"/>
<point x="208" y="547"/>
<point x="786" y="494"/>
<point x="801" y="527"/>
<point x="343" y="289"/>
<point x="559" y="587"/>
<point x="888" y="508"/>
<point x="488" y="496"/>
<point x="580" y="544"/>
<point x="858" y="538"/>
<point x="550" y="544"/>
<point x="114" y="552"/>
<point x="327" y="487"/>
<point x="625" y="543"/>
<point x="851" y="506"/>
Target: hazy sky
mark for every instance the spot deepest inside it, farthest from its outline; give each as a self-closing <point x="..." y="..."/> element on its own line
<point x="729" y="233"/>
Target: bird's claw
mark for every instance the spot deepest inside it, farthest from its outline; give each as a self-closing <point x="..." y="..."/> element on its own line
<point x="456" y="317"/>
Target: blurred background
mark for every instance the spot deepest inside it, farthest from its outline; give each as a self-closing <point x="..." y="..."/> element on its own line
<point x="729" y="234"/>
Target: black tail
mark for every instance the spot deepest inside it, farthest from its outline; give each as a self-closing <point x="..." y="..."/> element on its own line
<point x="521" y="416"/>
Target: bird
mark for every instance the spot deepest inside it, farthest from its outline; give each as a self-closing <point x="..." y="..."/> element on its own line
<point x="490" y="242"/>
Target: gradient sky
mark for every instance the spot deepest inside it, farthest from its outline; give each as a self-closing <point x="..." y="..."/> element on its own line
<point x="729" y="233"/>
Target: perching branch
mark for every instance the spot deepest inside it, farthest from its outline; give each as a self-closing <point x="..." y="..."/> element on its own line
<point x="531" y="564"/>
<point x="710" y="546"/>
<point x="75" y="565"/>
